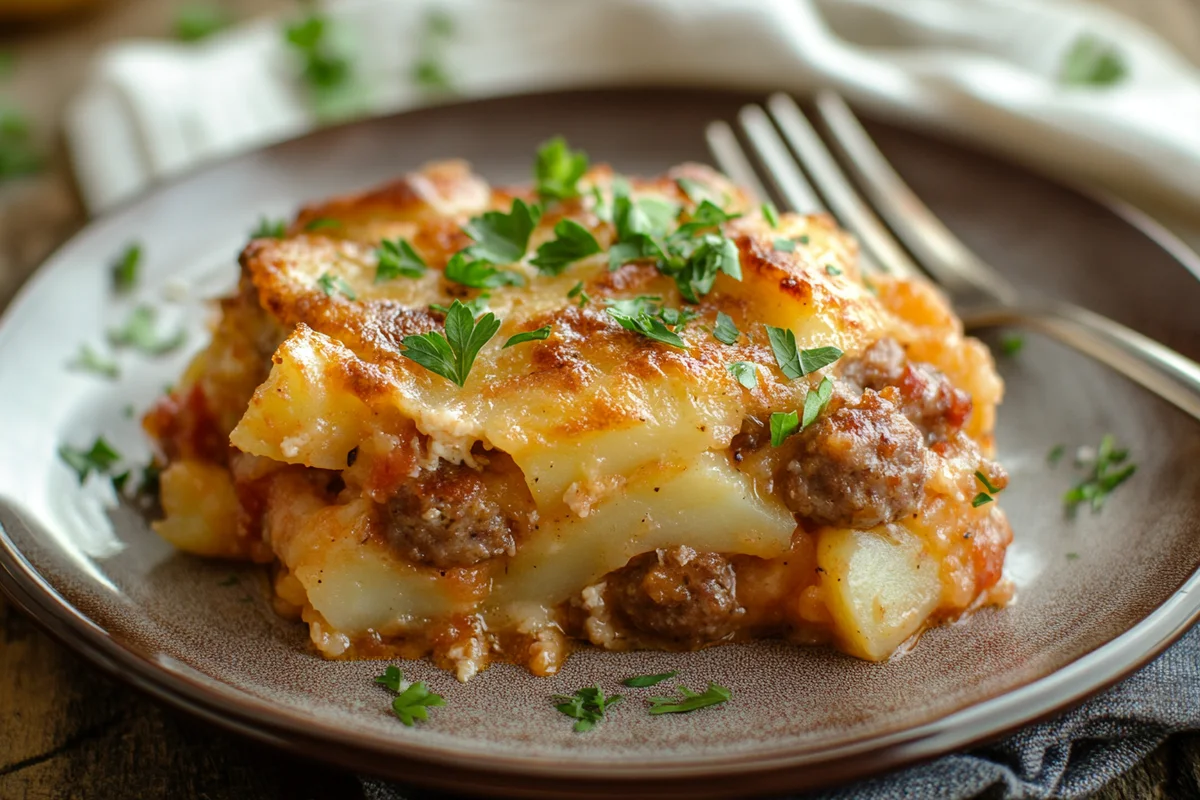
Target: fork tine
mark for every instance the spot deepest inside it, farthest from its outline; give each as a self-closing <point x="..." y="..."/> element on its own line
<point x="841" y="195"/>
<point x="731" y="159"/>
<point x="942" y="253"/>
<point x="781" y="167"/>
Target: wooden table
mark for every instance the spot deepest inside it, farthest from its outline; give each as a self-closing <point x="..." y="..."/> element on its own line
<point x="69" y="732"/>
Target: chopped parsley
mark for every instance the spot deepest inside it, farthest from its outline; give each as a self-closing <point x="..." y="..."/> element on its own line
<point x="476" y="305"/>
<point x="100" y="458"/>
<point x="479" y="273"/>
<point x="557" y="170"/>
<point x="1092" y="62"/>
<point x="642" y="681"/>
<point x="695" y="266"/>
<point x="17" y="154"/>
<point x="196" y="21"/>
<point x="1011" y="345"/>
<point x="572" y="242"/>
<point x="815" y="402"/>
<point x="331" y="283"/>
<point x="1105" y="474"/>
<point x="831" y="269"/>
<point x="1055" y="455"/>
<point x="269" y="229"/>
<point x="588" y="706"/>
<point x="140" y="332"/>
<point x="770" y="214"/>
<point x="396" y="258"/>
<point x="429" y="70"/>
<point x="783" y="425"/>
<point x="696" y="191"/>
<point x="649" y="326"/>
<point x="794" y="362"/>
<point x="503" y="238"/>
<point x="745" y="372"/>
<point x="528" y="336"/>
<point x="451" y="355"/>
<point x="577" y="291"/>
<point x="986" y="496"/>
<point x="784" y="245"/>
<point x="413" y="700"/>
<point x="714" y="695"/>
<point x="327" y="73"/>
<point x="1072" y="556"/>
<point x="725" y="331"/>
<point x="322" y="223"/>
<point x="643" y="315"/>
<point x="126" y="268"/>
<point x="88" y="360"/>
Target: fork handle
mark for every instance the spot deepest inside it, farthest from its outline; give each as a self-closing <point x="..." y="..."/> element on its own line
<point x="1168" y="374"/>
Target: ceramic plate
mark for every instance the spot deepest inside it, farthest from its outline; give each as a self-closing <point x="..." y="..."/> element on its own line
<point x="1097" y="596"/>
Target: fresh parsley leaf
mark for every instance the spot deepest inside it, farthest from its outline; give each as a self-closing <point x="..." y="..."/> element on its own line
<point x="322" y="223"/>
<point x="479" y="273"/>
<point x="677" y="318"/>
<point x="713" y="254"/>
<point x="269" y="229"/>
<point x="412" y="701"/>
<point x="439" y="24"/>
<point x="831" y="269"/>
<point x="430" y="73"/>
<point x="125" y="269"/>
<point x="783" y="425"/>
<point x="1104" y="476"/>
<point x="139" y="331"/>
<point x="452" y="355"/>
<point x="1092" y="62"/>
<point x="396" y="258"/>
<point x="1072" y="556"/>
<point x="588" y="706"/>
<point x="1055" y="455"/>
<point x="648" y="326"/>
<point x="642" y="681"/>
<point x="987" y="484"/>
<point x="327" y="73"/>
<point x="815" y="402"/>
<point x="1011" y="345"/>
<point x="196" y="21"/>
<point x="577" y="291"/>
<point x="796" y="363"/>
<point x="17" y="153"/>
<point x="331" y="283"/>
<point x="528" y="336"/>
<point x="745" y="372"/>
<point x="88" y="360"/>
<point x="558" y="169"/>
<point x="981" y="499"/>
<point x="706" y="215"/>
<point x="503" y="238"/>
<point x="784" y="245"/>
<point x="725" y="331"/>
<point x="572" y="242"/>
<point x="715" y="694"/>
<point x="476" y="305"/>
<point x="633" y="306"/>
<point x="770" y="214"/>
<point x="803" y="239"/>
<point x="100" y="458"/>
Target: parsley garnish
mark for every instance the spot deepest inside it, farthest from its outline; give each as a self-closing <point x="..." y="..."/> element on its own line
<point x="1055" y="455"/>
<point x="125" y="269"/>
<point x="648" y="326"/>
<point x="413" y="700"/>
<point x="99" y="459"/>
<point x="452" y="355"/>
<point x="139" y="332"/>
<point x="17" y="155"/>
<point x="269" y="229"/>
<point x="503" y="238"/>
<point x="1012" y="344"/>
<point x="322" y="223"/>
<point x="429" y="71"/>
<point x="830" y="269"/>
<point x="479" y="273"/>
<point x="986" y="496"/>
<point x="588" y="706"/>
<point x="396" y="258"/>
<point x="796" y="363"/>
<point x="558" y="169"/>
<point x="1072" y="556"/>
<point x="815" y="402"/>
<point x="770" y="214"/>
<point x="1092" y="61"/>
<point x="327" y="74"/>
<point x="642" y="681"/>
<point x="784" y="245"/>
<point x="715" y="694"/>
<point x="783" y="425"/>
<point x="331" y="283"/>
<point x="528" y="336"/>
<point x="476" y="305"/>
<point x="745" y="372"/>
<point x="197" y="21"/>
<point x="725" y="331"/>
<point x="577" y="291"/>
<point x="1105" y="476"/>
<point x="572" y="242"/>
<point x="642" y="315"/>
<point x="88" y="360"/>
<point x="695" y="277"/>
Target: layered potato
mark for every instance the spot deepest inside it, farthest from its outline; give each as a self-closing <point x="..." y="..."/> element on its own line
<point x="598" y="484"/>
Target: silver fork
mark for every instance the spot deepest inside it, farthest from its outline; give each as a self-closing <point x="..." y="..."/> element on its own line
<point x="982" y="297"/>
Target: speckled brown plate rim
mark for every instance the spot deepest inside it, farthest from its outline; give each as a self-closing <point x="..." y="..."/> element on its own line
<point x="776" y="770"/>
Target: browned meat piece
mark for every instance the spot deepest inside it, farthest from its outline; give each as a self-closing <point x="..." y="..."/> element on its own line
<point x="928" y="398"/>
<point x="859" y="465"/>
<point x="450" y="517"/>
<point x="684" y="597"/>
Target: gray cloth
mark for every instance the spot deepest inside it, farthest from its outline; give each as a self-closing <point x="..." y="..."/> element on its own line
<point x="1070" y="756"/>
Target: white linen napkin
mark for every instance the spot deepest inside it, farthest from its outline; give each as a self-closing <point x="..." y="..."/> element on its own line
<point x="988" y="70"/>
